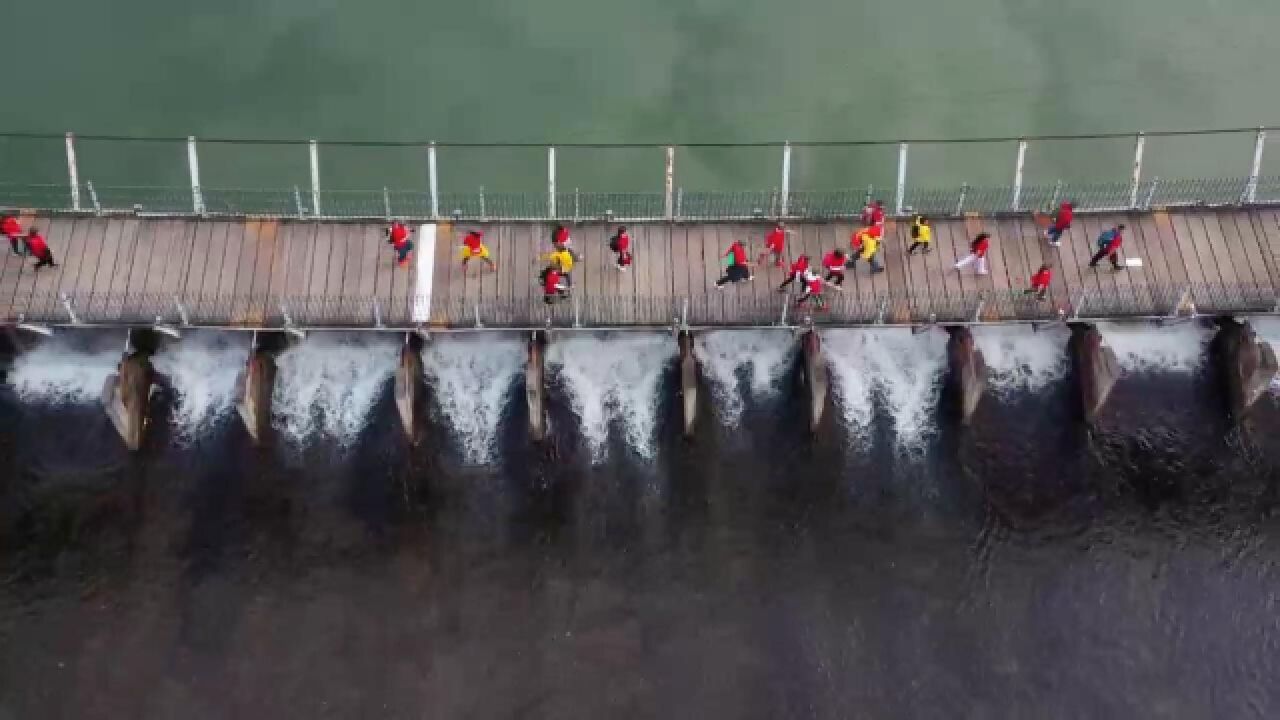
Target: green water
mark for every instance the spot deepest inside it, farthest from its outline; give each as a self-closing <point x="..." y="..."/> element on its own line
<point x="610" y="71"/>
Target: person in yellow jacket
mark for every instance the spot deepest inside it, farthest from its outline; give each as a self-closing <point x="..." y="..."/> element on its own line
<point x="921" y="235"/>
<point x="562" y="259"/>
<point x="866" y="245"/>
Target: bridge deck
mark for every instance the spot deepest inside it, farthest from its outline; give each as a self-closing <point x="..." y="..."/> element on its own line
<point x="254" y="272"/>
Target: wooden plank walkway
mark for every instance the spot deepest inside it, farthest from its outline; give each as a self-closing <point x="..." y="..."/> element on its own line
<point x="112" y="264"/>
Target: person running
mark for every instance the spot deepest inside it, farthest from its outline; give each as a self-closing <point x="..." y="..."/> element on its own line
<point x="873" y="213"/>
<point x="620" y="244"/>
<point x="861" y="240"/>
<point x="39" y="249"/>
<point x="796" y="272"/>
<point x="812" y="290"/>
<point x="553" y="285"/>
<point x="977" y="253"/>
<point x="12" y="229"/>
<point x="775" y="245"/>
<point x="473" y="247"/>
<point x="1040" y="282"/>
<point x="1061" y="223"/>
<point x="1109" y="247"/>
<point x="921" y="235"/>
<point x="834" y="263"/>
<point x="562" y="260"/>
<point x="398" y="238"/>
<point x="736" y="269"/>
<point x="871" y="249"/>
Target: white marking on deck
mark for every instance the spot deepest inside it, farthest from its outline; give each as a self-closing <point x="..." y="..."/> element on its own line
<point x="426" y="266"/>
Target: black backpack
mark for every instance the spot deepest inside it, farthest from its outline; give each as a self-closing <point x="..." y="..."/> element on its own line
<point x="915" y="229"/>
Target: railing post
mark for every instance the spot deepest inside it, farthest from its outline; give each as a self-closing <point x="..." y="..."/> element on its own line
<point x="551" y="183"/>
<point x="1057" y="193"/>
<point x="193" y="166"/>
<point x="93" y="197"/>
<point x="483" y="216"/>
<point x="576" y="206"/>
<point x="297" y="201"/>
<point x="902" y="178"/>
<point x="433" y="181"/>
<point x="1255" y="170"/>
<point x="786" y="180"/>
<point x="1017" y="175"/>
<point x="315" y="178"/>
<point x="680" y="202"/>
<point x="1139" y="146"/>
<point x="1151" y="191"/>
<point x="386" y="201"/>
<point x="964" y="190"/>
<point x="786" y="304"/>
<point x="669" y="183"/>
<point x="73" y="171"/>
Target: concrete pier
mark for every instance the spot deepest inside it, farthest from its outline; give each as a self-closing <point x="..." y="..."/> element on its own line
<point x="1095" y="368"/>
<point x="688" y="382"/>
<point x="535" y="387"/>
<point x="126" y="394"/>
<point x="1245" y="365"/>
<point x="254" y="389"/>
<point x="966" y="374"/>
<point x="814" y="375"/>
<point x="409" y="385"/>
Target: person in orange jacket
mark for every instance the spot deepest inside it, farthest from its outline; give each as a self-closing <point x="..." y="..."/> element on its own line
<point x="1040" y="282"/>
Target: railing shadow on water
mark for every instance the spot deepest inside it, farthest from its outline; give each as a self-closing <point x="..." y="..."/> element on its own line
<point x="730" y="308"/>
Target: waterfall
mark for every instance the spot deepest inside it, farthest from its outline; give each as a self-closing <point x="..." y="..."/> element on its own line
<point x="202" y="369"/>
<point x="738" y="362"/>
<point x="471" y="377"/>
<point x="328" y="383"/>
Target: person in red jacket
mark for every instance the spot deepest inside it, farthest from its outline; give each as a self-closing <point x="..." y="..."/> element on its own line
<point x="553" y="285"/>
<point x="560" y="237"/>
<point x="39" y="249"/>
<point x="736" y="267"/>
<point x="873" y="213"/>
<point x="473" y="247"/>
<point x="1040" y="282"/>
<point x="1061" y="223"/>
<point x="775" y="244"/>
<point x="12" y="229"/>
<point x="795" y="273"/>
<point x="977" y="253"/>
<point x="398" y="239"/>
<point x="834" y="264"/>
<point x="620" y="243"/>
<point x="1109" y="247"/>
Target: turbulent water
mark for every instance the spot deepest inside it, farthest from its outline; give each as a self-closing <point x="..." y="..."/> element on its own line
<point x="892" y="565"/>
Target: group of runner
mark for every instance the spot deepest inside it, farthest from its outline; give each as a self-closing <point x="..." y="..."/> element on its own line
<point x="26" y="244"/>
<point x="865" y="244"/>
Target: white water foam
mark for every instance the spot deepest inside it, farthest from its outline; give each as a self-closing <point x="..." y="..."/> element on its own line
<point x="1267" y="329"/>
<point x="327" y="384"/>
<point x="64" y="370"/>
<point x="1021" y="359"/>
<point x="902" y="369"/>
<point x="613" y="378"/>
<point x="471" y="379"/>
<point x="1177" y="348"/>
<point x="763" y="355"/>
<point x="202" y="369"/>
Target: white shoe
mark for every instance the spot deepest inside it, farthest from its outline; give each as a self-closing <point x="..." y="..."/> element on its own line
<point x="1055" y="244"/>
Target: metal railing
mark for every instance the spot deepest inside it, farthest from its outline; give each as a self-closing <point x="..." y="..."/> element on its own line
<point x="305" y="195"/>
<point x="729" y="309"/>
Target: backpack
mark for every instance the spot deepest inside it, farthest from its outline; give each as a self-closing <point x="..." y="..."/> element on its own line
<point x="915" y="231"/>
<point x="1105" y="239"/>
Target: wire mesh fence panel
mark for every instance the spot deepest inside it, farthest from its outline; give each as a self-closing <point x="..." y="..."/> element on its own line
<point x="33" y="160"/>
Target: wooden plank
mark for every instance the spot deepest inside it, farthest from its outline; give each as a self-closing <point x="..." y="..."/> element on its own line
<point x="31" y="283"/>
<point x="247" y="260"/>
<point x="91" y="255"/>
<point x="356" y="238"/>
<point x="111" y="246"/>
<point x="679" y="267"/>
<point x="318" y="258"/>
<point x="996" y="276"/>
<point x="301" y="246"/>
<point x="1249" y="267"/>
<point x="210" y="274"/>
<point x="1199" y="269"/>
<point x="341" y="240"/>
<point x="455" y="286"/>
<point x="1218" y="253"/>
<point x="1267" y="231"/>
<point x="934" y="269"/>
<point x="1255" y="245"/>
<point x="66" y="277"/>
<point x="230" y="265"/>
<point x="949" y="254"/>
<point x="140" y="263"/>
<point x="176" y="271"/>
<point x="1180" y="266"/>
<point x="264" y="259"/>
<point x="194" y="281"/>
<point x="1155" y="269"/>
<point x="279" y="282"/>
<point x="440" y="279"/>
<point x="123" y="263"/>
<point x="1013" y="255"/>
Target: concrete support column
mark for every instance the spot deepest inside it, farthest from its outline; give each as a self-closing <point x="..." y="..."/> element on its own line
<point x="535" y="388"/>
<point x="815" y="377"/>
<point x="126" y="394"/>
<point x="1095" y="368"/>
<point x="1245" y="366"/>
<point x="688" y="382"/>
<point x="966" y="374"/>
<point x="409" y="385"/>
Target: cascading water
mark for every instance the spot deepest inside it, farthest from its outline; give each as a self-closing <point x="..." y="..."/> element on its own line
<point x="329" y="382"/>
<point x="613" y="378"/>
<point x="901" y="369"/>
<point x="1021" y="359"/>
<point x="1178" y="348"/>
<point x="202" y="369"/>
<point x="65" y="369"/>
<point x="737" y="362"/>
<point x="471" y="379"/>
